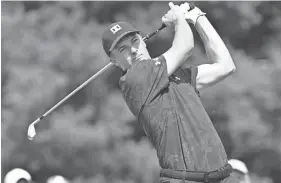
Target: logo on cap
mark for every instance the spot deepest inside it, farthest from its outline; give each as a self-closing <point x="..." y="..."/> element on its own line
<point x="115" y="28"/>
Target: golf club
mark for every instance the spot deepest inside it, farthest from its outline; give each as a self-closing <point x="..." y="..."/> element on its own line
<point x="31" y="128"/>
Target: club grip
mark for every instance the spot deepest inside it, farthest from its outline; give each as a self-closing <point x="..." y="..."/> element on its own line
<point x="155" y="32"/>
<point x="163" y="25"/>
<point x="191" y="5"/>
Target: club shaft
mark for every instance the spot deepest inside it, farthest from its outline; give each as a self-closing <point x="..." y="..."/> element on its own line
<point x="73" y="92"/>
<point x="153" y="33"/>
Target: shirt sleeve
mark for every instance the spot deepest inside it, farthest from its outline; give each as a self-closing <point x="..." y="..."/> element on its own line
<point x="190" y="75"/>
<point x="146" y="79"/>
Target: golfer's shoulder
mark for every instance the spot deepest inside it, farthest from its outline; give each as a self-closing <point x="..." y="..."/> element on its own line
<point x="160" y="60"/>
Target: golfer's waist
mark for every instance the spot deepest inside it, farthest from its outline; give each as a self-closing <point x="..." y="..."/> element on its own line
<point x="198" y="176"/>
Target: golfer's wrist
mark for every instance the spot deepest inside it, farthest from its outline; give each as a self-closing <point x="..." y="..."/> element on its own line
<point x="193" y="15"/>
<point x="199" y="19"/>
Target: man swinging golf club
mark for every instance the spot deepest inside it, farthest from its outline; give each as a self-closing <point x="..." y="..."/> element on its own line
<point x="164" y="96"/>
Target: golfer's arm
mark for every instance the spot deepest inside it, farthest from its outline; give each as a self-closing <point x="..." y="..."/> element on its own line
<point x="221" y="65"/>
<point x="182" y="46"/>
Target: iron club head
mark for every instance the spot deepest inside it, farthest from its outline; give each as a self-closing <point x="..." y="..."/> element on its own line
<point x="31" y="132"/>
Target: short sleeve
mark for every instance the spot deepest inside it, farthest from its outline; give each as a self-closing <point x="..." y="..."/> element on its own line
<point x="145" y="79"/>
<point x="190" y="75"/>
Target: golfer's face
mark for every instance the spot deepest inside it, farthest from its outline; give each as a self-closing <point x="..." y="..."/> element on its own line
<point x="129" y="49"/>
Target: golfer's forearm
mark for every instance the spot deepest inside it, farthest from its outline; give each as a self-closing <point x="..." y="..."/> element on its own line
<point x="183" y="41"/>
<point x="216" y="50"/>
<point x="181" y="47"/>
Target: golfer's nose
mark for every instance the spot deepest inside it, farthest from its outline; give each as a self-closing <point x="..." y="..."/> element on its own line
<point x="134" y="50"/>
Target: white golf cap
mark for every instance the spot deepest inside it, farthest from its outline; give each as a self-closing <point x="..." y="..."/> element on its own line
<point x="57" y="179"/>
<point x="16" y="174"/>
<point x="238" y="165"/>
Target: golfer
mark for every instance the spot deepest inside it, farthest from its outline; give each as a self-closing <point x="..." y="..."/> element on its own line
<point x="165" y="97"/>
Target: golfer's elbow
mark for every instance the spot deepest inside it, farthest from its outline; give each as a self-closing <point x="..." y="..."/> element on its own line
<point x="224" y="58"/>
<point x="229" y="68"/>
<point x="232" y="69"/>
<point x="229" y="64"/>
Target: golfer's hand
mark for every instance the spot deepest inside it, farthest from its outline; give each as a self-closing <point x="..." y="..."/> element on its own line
<point x="191" y="15"/>
<point x="173" y="16"/>
<point x="185" y="7"/>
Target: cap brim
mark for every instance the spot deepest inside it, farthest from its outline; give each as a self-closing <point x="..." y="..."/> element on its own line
<point x="120" y="37"/>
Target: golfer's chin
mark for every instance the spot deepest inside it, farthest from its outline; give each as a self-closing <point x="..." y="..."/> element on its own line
<point x="138" y="59"/>
<point x="130" y="61"/>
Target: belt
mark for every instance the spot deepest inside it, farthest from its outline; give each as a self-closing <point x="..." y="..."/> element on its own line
<point x="198" y="176"/>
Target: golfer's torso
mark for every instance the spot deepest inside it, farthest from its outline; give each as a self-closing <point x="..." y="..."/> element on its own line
<point x="181" y="131"/>
<point x="172" y="116"/>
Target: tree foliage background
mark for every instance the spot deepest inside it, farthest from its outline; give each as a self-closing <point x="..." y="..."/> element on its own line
<point x="50" y="48"/>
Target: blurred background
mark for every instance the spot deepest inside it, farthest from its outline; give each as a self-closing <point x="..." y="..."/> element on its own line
<point x="50" y="48"/>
